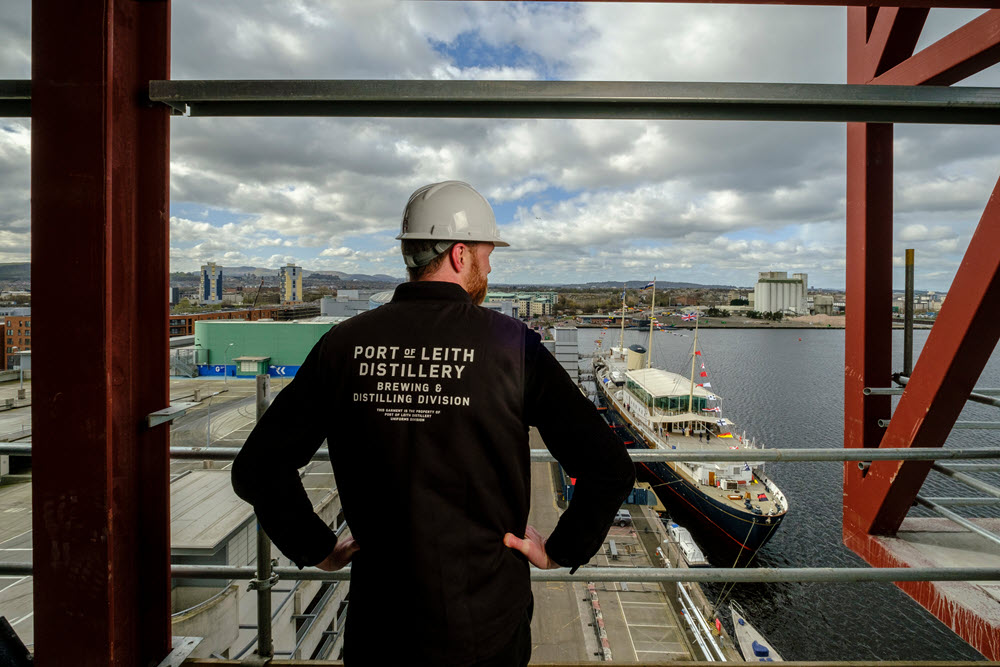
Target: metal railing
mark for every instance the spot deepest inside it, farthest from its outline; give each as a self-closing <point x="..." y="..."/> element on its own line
<point x="265" y="576"/>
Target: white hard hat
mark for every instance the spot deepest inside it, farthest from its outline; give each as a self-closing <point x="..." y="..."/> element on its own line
<point x="449" y="211"/>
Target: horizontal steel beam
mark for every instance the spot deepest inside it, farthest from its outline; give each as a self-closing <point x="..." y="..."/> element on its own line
<point x="967" y="480"/>
<point x="963" y="502"/>
<point x="970" y="425"/>
<point x="657" y="100"/>
<point x="544" y="456"/>
<point x="15" y="98"/>
<point x="897" y="391"/>
<point x="974" y="396"/>
<point x="960" y="520"/>
<point x="637" y="574"/>
<point x="977" y="467"/>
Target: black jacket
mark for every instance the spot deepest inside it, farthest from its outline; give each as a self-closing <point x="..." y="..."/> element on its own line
<point x="425" y="403"/>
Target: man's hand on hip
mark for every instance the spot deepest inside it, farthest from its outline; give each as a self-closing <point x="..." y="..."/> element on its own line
<point x="341" y="555"/>
<point x="533" y="547"/>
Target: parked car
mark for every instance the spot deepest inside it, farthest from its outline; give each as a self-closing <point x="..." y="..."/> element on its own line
<point x="623" y="518"/>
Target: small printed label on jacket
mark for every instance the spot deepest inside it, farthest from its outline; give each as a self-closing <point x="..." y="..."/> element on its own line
<point x="412" y="384"/>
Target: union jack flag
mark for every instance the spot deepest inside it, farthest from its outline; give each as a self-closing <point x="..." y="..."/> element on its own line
<point x="688" y="318"/>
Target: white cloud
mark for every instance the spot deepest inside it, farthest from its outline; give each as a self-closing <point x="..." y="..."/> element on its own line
<point x="578" y="199"/>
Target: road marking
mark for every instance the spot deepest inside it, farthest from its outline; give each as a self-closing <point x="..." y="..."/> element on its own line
<point x="15" y="548"/>
<point x="650" y="625"/>
<point x="23" y="618"/>
<point x="14" y="584"/>
<point x="9" y="539"/>
<point x="654" y="651"/>
<point x="656" y="604"/>
<point x="631" y="641"/>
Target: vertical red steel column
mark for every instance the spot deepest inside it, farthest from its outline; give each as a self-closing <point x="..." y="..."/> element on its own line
<point x="99" y="174"/>
<point x="868" y="335"/>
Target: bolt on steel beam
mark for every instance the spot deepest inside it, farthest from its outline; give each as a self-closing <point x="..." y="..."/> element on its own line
<point x="645" y="100"/>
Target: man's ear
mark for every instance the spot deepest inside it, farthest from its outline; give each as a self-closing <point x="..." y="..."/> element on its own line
<point x="457" y="257"/>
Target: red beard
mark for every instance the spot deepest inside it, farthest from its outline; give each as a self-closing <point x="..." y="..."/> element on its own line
<point x="477" y="282"/>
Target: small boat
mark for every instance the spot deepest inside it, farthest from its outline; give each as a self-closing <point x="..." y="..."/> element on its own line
<point x="692" y="553"/>
<point x="753" y="645"/>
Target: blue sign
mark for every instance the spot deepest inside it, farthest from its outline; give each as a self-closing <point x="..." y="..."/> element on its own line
<point x="215" y="370"/>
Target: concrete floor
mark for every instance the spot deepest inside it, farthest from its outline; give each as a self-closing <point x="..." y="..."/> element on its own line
<point x="640" y="622"/>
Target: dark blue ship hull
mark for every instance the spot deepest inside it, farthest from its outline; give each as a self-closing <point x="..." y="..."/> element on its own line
<point x="728" y="535"/>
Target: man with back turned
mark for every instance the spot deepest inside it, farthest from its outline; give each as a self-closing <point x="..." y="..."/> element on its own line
<point x="425" y="403"/>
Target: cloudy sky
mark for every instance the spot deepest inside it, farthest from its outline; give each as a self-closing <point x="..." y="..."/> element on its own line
<point x="578" y="200"/>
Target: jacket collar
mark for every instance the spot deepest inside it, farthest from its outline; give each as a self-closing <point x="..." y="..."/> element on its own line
<point x="427" y="290"/>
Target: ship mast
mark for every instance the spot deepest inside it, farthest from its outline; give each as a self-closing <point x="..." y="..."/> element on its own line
<point x="694" y="353"/>
<point x="621" y="337"/>
<point x="652" y="309"/>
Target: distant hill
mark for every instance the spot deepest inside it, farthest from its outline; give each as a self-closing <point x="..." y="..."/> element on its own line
<point x="16" y="271"/>
<point x="639" y="284"/>
<point x="239" y="271"/>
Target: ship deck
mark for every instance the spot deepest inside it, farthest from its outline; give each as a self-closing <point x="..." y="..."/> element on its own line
<point x="763" y="492"/>
<point x="734" y="498"/>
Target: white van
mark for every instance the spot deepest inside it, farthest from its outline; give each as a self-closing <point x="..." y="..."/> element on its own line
<point x="623" y="518"/>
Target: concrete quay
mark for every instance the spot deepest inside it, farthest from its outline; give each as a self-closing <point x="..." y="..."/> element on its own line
<point x="637" y="622"/>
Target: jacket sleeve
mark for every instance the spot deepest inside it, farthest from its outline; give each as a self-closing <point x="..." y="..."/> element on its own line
<point x="266" y="471"/>
<point x="579" y="438"/>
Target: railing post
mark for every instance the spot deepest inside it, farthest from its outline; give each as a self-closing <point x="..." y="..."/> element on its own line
<point x="263" y="394"/>
<point x="264" y="582"/>
<point x="265" y="578"/>
<point x="908" y="317"/>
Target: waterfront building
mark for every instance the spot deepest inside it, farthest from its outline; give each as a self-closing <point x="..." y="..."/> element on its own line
<point x="291" y="284"/>
<point x="529" y="304"/>
<point x="822" y="304"/>
<point x="508" y="307"/>
<point x="211" y="284"/>
<point x="18" y="338"/>
<point x="776" y="292"/>
<point x="246" y="349"/>
<point x="347" y="303"/>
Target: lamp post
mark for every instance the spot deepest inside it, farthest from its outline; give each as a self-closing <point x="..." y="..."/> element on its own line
<point x="225" y="366"/>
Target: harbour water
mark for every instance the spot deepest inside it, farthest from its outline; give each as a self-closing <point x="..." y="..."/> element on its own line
<point x="788" y="393"/>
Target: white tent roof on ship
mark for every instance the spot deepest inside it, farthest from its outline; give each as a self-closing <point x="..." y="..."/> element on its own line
<point x="659" y="383"/>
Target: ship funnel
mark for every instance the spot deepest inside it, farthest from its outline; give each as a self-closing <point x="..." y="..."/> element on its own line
<point x="636" y="357"/>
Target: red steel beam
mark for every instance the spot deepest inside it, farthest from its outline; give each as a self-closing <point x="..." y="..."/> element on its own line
<point x="868" y="332"/>
<point x="959" y="345"/>
<point x="960" y="54"/>
<point x="892" y="38"/>
<point x="877" y="502"/>
<point x="99" y="173"/>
